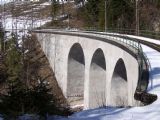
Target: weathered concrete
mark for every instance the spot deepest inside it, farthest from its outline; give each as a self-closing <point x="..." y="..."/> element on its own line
<point x="87" y="65"/>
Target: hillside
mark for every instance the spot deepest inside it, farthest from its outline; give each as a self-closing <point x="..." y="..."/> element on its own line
<point x="120" y="15"/>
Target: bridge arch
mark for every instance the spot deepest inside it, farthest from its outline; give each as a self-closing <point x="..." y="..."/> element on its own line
<point x="97" y="80"/>
<point x="76" y="72"/>
<point x="119" y="85"/>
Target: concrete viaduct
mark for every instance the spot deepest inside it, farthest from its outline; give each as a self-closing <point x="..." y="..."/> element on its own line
<point x="104" y="70"/>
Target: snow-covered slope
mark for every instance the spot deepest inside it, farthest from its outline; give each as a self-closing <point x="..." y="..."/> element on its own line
<point x="23" y="23"/>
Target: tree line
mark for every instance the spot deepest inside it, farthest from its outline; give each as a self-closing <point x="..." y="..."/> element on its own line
<point x="120" y="14"/>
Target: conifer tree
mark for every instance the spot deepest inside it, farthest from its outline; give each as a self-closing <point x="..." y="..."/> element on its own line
<point x="92" y="12"/>
<point x="13" y="59"/>
<point x="54" y="9"/>
<point x="120" y="13"/>
<point x="3" y="74"/>
<point x="1" y="37"/>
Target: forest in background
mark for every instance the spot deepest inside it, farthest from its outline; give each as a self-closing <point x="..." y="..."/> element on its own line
<point x="120" y="14"/>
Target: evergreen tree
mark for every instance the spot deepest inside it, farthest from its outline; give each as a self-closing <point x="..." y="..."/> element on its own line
<point x="158" y="3"/>
<point x="92" y="12"/>
<point x="3" y="74"/>
<point x="3" y="70"/>
<point x="20" y="100"/>
<point x="1" y="37"/>
<point x="13" y="59"/>
<point x="54" y="9"/>
<point x="102" y="14"/>
<point x="120" y="13"/>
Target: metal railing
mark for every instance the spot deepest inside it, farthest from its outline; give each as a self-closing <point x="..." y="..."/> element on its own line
<point x="143" y="33"/>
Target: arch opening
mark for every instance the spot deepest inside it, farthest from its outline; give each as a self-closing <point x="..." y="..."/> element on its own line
<point x="76" y="74"/>
<point x="97" y="82"/>
<point x="119" y="86"/>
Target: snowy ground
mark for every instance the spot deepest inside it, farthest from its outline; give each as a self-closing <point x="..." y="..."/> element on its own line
<point x="22" y="24"/>
<point x="150" y="112"/>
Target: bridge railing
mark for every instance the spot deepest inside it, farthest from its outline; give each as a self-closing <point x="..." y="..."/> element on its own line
<point x="144" y="67"/>
<point x="144" y="33"/>
<point x="149" y="67"/>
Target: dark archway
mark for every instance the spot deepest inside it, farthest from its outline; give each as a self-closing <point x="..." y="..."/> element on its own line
<point x="76" y="73"/>
<point x="97" y="85"/>
<point x="119" y="86"/>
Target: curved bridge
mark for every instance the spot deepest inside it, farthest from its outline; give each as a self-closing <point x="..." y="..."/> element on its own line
<point x="99" y="68"/>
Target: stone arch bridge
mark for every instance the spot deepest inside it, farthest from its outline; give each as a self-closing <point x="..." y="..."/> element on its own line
<point x="101" y="68"/>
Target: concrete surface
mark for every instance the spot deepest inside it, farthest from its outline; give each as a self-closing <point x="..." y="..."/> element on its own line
<point x="86" y="65"/>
